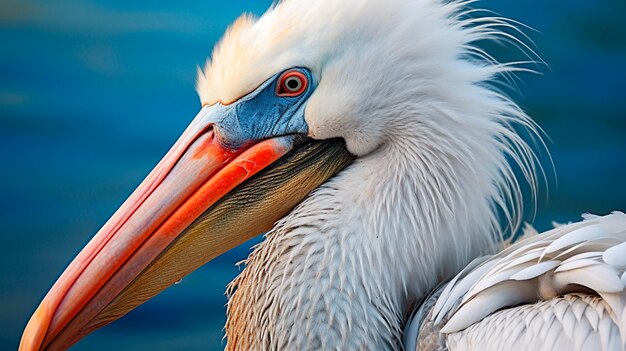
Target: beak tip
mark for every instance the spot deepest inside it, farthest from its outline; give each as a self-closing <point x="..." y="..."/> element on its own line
<point x="35" y="331"/>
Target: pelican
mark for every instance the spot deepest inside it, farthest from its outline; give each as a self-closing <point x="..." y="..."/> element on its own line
<point x="370" y="143"/>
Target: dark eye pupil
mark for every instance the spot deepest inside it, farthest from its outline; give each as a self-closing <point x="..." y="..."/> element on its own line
<point x="293" y="83"/>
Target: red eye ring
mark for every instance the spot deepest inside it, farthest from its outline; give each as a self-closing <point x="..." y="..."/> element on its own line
<point x="292" y="84"/>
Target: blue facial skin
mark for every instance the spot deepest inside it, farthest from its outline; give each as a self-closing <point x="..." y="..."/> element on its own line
<point x="261" y="114"/>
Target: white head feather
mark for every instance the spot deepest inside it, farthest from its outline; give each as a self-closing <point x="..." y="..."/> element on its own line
<point x="402" y="82"/>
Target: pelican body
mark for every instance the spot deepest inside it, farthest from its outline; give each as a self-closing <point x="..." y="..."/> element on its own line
<point x="367" y="140"/>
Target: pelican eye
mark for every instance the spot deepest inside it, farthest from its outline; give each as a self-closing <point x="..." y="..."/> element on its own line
<point x="292" y="83"/>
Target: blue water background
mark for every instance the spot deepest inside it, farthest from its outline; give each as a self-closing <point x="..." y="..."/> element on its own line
<point x="93" y="93"/>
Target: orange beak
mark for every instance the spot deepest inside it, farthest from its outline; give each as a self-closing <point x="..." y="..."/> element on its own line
<point x="202" y="199"/>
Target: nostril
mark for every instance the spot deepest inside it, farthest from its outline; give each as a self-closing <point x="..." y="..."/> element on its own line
<point x="223" y="137"/>
<point x="214" y="134"/>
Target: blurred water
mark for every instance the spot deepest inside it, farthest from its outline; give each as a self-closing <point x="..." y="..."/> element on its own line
<point x="92" y="94"/>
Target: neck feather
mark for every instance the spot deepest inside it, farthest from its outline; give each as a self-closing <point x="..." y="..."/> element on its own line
<point x="342" y="270"/>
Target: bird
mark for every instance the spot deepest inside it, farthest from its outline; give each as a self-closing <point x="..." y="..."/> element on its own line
<point x="373" y="146"/>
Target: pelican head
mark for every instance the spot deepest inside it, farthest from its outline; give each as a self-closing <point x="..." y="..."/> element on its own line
<point x="363" y="135"/>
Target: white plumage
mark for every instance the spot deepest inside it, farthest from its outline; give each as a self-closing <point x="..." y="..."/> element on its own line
<point x="561" y="290"/>
<point x="406" y="85"/>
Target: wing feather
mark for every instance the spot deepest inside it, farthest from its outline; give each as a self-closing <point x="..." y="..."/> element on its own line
<point x="490" y="300"/>
<point x="568" y="285"/>
<point x="598" y="277"/>
<point x="535" y="270"/>
<point x="572" y="322"/>
<point x="616" y="255"/>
